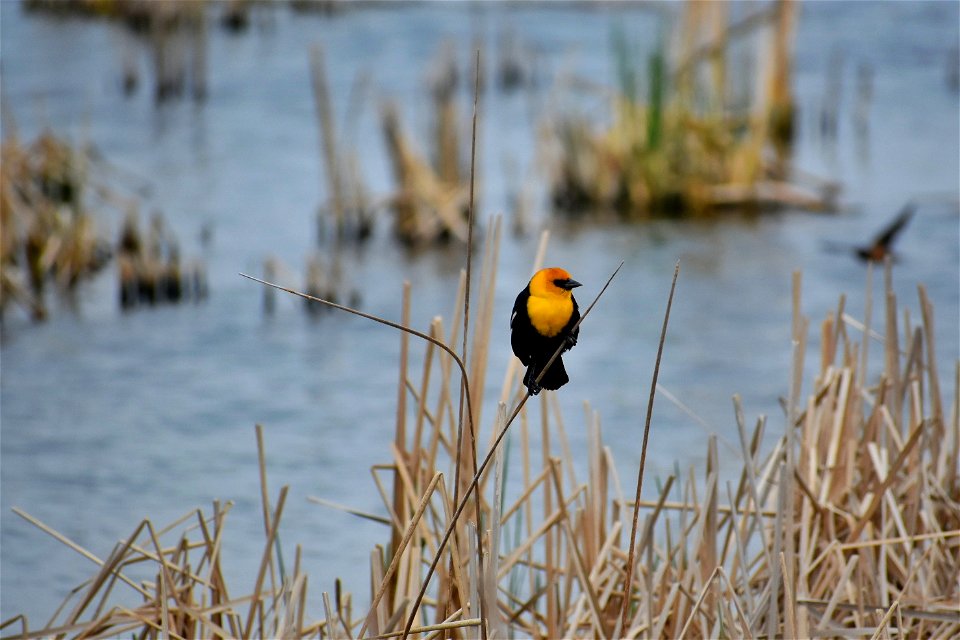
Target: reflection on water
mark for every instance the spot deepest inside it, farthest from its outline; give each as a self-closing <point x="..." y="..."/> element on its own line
<point x="108" y="418"/>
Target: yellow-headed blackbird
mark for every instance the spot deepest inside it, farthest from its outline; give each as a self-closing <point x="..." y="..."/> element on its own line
<point x="542" y="321"/>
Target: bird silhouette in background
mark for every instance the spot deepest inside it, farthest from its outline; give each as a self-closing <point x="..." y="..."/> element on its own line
<point x="882" y="245"/>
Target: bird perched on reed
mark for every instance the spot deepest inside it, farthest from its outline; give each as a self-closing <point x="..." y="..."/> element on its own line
<point x="542" y="321"/>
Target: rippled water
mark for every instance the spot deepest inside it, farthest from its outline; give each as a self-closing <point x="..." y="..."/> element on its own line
<point x="108" y="417"/>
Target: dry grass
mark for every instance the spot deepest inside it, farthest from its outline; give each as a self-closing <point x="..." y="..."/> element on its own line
<point x="188" y="596"/>
<point x="46" y="233"/>
<point x="55" y="199"/>
<point x="432" y="196"/>
<point x="848" y="527"/>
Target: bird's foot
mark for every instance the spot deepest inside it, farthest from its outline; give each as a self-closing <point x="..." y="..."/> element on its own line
<point x="530" y="382"/>
<point x="569" y="342"/>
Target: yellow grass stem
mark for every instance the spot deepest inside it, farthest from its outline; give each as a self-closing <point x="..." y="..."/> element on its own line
<point x="397" y="554"/>
<point x="444" y="626"/>
<point x="628" y="580"/>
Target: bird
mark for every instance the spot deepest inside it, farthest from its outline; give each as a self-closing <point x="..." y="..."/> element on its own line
<point x="882" y="244"/>
<point x="543" y="320"/>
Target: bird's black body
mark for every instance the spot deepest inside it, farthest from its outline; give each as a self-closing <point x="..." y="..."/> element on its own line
<point x="535" y="349"/>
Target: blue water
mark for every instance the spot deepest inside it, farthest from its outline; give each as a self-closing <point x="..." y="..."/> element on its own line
<point x="108" y="418"/>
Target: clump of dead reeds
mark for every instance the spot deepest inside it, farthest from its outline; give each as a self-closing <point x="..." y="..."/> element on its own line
<point x="690" y="143"/>
<point x="46" y="233"/>
<point x="430" y="201"/>
<point x="51" y="237"/>
<point x="149" y="267"/>
<point x="348" y="208"/>
<point x="432" y="197"/>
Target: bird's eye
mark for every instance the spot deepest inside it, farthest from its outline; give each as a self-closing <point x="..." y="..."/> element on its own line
<point x="559" y="282"/>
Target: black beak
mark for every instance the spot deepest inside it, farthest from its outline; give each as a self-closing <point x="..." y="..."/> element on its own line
<point x="568" y="284"/>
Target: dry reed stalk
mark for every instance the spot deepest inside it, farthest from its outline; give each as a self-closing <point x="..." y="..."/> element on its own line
<point x="265" y="500"/>
<point x="478" y="355"/>
<point x="427" y="209"/>
<point x="494" y="624"/>
<point x="400" y="435"/>
<point x="328" y="141"/>
<point x="481" y="334"/>
<point x="628" y="586"/>
<point x="477" y="477"/>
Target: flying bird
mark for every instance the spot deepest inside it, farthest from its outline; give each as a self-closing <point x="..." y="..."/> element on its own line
<point x="882" y="245"/>
<point x="542" y="321"/>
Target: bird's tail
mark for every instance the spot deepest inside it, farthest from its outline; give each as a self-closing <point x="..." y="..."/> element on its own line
<point x="553" y="379"/>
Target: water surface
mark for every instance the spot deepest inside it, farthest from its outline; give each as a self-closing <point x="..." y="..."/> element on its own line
<point x="108" y="418"/>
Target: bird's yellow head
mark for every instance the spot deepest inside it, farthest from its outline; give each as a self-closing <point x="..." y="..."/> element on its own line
<point x="552" y="282"/>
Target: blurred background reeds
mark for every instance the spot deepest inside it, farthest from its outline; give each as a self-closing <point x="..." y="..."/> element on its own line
<point x="687" y="136"/>
<point x="50" y="232"/>
<point x="46" y="234"/>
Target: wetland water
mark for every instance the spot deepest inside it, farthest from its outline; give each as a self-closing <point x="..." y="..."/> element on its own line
<point x="108" y="417"/>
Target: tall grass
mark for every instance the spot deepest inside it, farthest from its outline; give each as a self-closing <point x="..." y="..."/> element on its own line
<point x="848" y="526"/>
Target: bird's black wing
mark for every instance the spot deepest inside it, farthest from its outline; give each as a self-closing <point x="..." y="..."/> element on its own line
<point x="520" y="328"/>
<point x="885" y="237"/>
<point x="568" y="330"/>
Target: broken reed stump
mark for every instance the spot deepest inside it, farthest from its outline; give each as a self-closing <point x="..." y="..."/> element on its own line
<point x="432" y="197"/>
<point x="348" y="206"/>
<point x="149" y="269"/>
